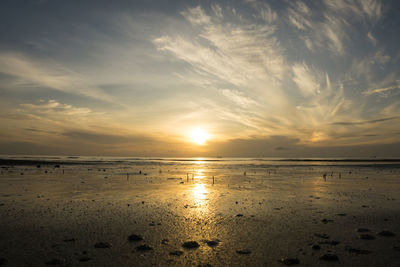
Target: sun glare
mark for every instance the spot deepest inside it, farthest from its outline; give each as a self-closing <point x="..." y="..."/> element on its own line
<point x="199" y="136"/>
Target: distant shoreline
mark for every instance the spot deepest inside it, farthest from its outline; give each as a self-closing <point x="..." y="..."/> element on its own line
<point x="47" y="161"/>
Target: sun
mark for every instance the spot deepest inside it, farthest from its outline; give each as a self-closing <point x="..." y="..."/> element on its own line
<point x="199" y="136"/>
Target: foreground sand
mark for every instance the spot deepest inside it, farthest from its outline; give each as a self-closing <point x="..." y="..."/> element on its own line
<point x="83" y="215"/>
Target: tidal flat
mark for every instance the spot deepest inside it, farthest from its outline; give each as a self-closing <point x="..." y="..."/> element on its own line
<point x="199" y="212"/>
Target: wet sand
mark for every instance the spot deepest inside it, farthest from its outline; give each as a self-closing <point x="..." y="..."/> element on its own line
<point x="147" y="215"/>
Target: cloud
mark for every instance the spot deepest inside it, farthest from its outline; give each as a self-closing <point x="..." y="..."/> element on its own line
<point x="196" y="16"/>
<point x="305" y="78"/>
<point x="238" y="98"/>
<point x="33" y="73"/>
<point x="366" y="122"/>
<point x="372" y="39"/>
<point x="381" y="91"/>
<point x="106" y="138"/>
<point x="217" y="11"/>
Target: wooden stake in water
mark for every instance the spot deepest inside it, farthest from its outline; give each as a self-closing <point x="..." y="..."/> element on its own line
<point x="213" y="180"/>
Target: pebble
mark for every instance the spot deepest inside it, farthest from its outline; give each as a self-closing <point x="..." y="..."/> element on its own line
<point x="176" y="253"/>
<point x="386" y="233"/>
<point x="290" y="261"/>
<point x="357" y="251"/>
<point x="316" y="247"/>
<point x="212" y="243"/>
<point x="243" y="251"/>
<point x="135" y="238"/>
<point x="3" y="261"/>
<point x="54" y="262"/>
<point x="329" y="257"/>
<point x="164" y="241"/>
<point x="190" y="244"/>
<point x="84" y="258"/>
<point x="102" y="245"/>
<point x="366" y="237"/>
<point x="69" y="240"/>
<point x="324" y="236"/>
<point x="239" y="215"/>
<point x="143" y="248"/>
<point x="331" y="242"/>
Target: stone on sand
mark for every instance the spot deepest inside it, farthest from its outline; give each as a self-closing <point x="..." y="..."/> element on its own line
<point x="290" y="261"/>
<point x="144" y="248"/>
<point x="329" y="257"/>
<point x="135" y="238"/>
<point x="243" y="251"/>
<point x="190" y="244"/>
<point x="102" y="245"/>
<point x="386" y="233"/>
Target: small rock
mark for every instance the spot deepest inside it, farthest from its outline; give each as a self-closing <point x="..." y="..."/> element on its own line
<point x="316" y="247"/>
<point x="324" y="236"/>
<point x="69" y="240"/>
<point x="144" y="248"/>
<point x="357" y="251"/>
<point x="243" y="251"/>
<point x="325" y="221"/>
<point x="190" y="244"/>
<point x="54" y="262"/>
<point x="135" y="238"/>
<point x="290" y="261"/>
<point x="84" y="258"/>
<point x="212" y="243"/>
<point x="386" y="233"/>
<point x="366" y="237"/>
<point x="329" y="257"/>
<point x="3" y="261"/>
<point x="176" y="253"/>
<point x="239" y="215"/>
<point x="164" y="241"/>
<point x="362" y="230"/>
<point x="331" y="242"/>
<point x="102" y="245"/>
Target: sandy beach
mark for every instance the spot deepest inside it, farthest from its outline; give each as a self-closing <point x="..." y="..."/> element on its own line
<point x="198" y="213"/>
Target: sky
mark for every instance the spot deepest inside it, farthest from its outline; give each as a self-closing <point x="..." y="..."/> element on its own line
<point x="262" y="78"/>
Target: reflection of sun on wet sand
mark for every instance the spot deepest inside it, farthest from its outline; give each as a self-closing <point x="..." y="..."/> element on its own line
<point x="171" y="213"/>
